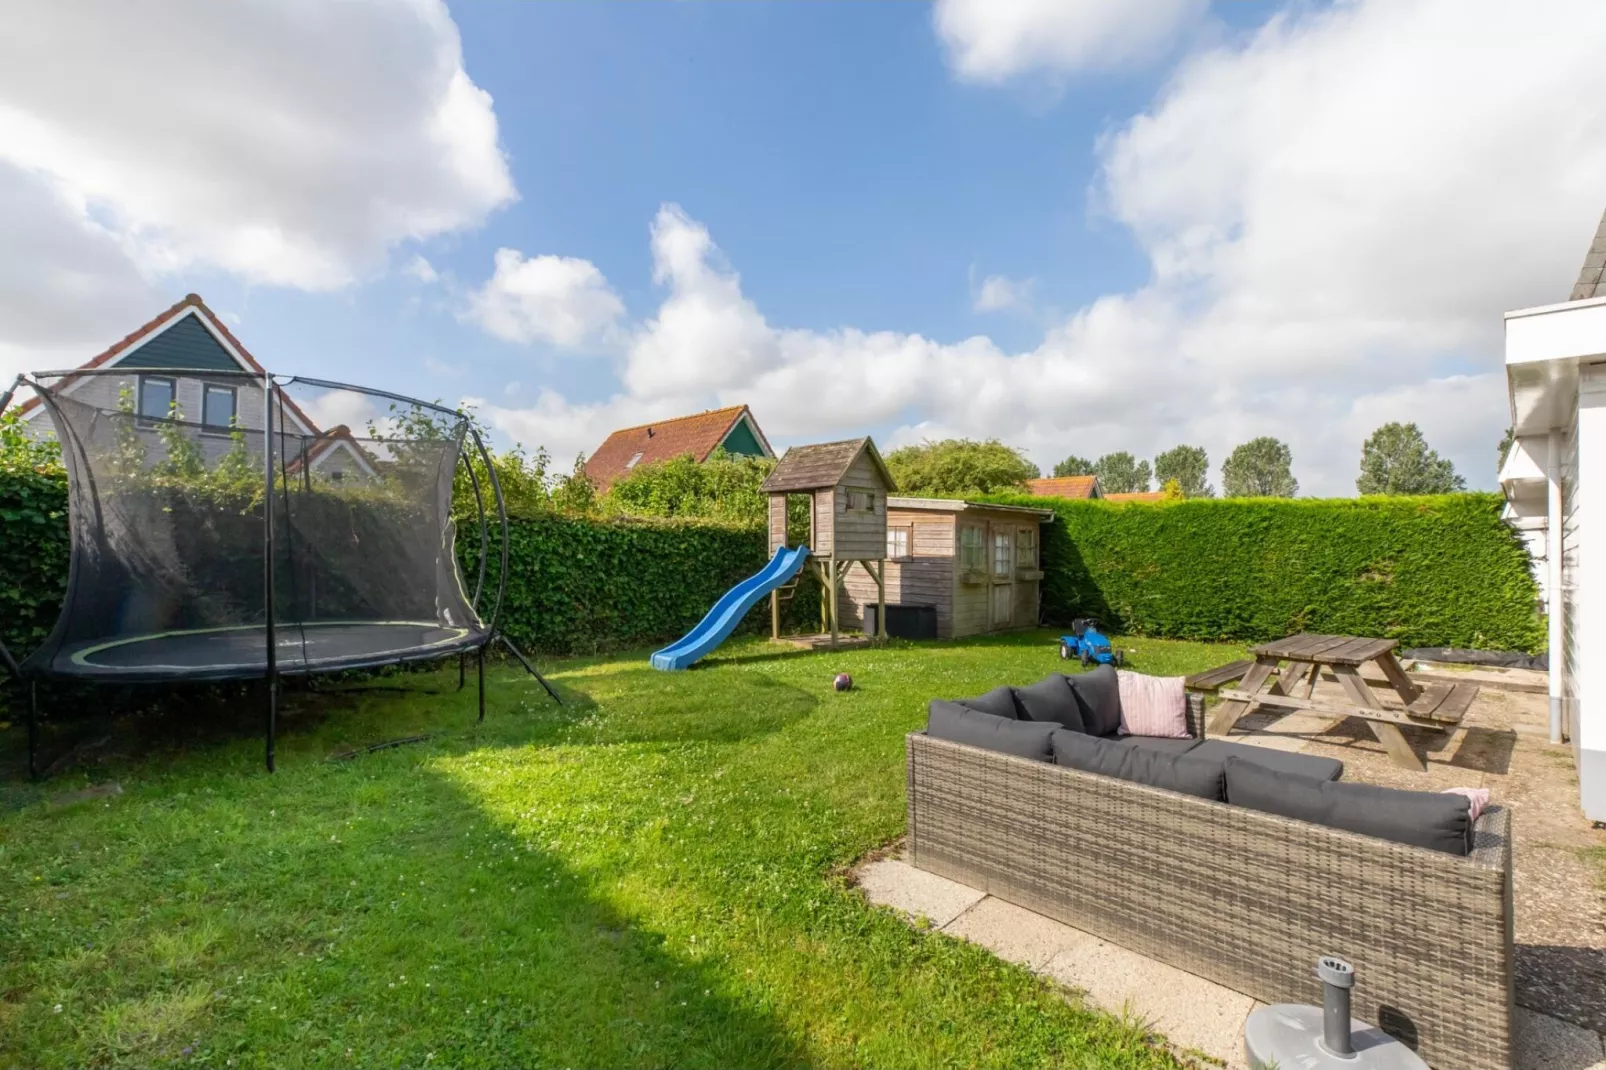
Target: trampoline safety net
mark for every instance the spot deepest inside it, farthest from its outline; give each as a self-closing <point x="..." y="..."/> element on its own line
<point x="183" y="487"/>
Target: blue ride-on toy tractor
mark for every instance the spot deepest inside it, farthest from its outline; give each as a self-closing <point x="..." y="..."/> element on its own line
<point x="1089" y="645"/>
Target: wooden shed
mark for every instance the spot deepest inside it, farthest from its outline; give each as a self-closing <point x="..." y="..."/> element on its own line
<point x="977" y="563"/>
<point x="846" y="484"/>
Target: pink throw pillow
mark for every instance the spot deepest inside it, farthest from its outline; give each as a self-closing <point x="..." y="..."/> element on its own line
<point x="1153" y="705"/>
<point x="1478" y="797"/>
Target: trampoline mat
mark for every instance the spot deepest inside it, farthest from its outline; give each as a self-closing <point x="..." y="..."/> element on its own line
<point x="222" y="653"/>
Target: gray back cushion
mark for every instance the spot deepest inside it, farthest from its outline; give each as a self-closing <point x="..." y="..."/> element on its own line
<point x="1141" y="765"/>
<point x="957" y="724"/>
<point x="1000" y="702"/>
<point x="1099" y="695"/>
<point x="1050" y="699"/>
<point x="1419" y="818"/>
<point x="1311" y="765"/>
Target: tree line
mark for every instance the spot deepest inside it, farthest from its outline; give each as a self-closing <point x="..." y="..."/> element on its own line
<point x="1395" y="459"/>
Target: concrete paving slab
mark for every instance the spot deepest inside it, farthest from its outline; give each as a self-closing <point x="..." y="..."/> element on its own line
<point x="1545" y="1043"/>
<point x="899" y="885"/>
<point x="1015" y="933"/>
<point x="1190" y="1012"/>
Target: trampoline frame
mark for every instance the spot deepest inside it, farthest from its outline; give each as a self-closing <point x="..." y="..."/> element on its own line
<point x="273" y="386"/>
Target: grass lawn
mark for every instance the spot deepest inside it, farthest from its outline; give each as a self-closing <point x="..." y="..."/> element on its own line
<point x="641" y="878"/>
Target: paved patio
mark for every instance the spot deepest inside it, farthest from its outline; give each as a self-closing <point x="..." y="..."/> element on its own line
<point x="1560" y="893"/>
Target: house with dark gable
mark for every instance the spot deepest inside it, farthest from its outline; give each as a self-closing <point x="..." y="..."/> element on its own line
<point x="185" y="365"/>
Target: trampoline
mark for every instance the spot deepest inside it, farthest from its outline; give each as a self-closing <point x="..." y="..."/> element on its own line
<point x="220" y="532"/>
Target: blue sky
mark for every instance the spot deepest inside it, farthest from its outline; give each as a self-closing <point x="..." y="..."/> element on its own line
<point x="1201" y="221"/>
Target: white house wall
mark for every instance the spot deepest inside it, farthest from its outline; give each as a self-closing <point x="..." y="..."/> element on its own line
<point x="1584" y="589"/>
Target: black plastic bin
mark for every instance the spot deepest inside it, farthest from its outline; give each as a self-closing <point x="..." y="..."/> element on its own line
<point x="904" y="621"/>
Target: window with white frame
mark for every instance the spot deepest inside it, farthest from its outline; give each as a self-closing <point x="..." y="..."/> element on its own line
<point x="634" y="461"/>
<point x="156" y="396"/>
<point x="1003" y="554"/>
<point x="900" y="541"/>
<point x="218" y="406"/>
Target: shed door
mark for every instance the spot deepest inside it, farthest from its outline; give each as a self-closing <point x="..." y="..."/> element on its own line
<point x="1003" y="574"/>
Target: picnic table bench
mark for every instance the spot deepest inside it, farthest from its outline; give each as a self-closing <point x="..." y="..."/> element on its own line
<point x="1265" y="681"/>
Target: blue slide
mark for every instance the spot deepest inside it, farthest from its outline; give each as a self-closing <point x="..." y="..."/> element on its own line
<point x="728" y="612"/>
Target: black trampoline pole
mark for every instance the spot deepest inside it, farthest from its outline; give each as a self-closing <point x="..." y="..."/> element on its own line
<point x="267" y="559"/>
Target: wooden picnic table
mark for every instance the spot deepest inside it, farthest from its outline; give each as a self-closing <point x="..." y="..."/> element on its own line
<point x="1266" y="681"/>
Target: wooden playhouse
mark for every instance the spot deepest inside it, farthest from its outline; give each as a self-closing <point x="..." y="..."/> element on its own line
<point x="846" y="485"/>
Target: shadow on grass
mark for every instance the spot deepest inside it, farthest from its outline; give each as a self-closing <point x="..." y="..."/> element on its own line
<point x="363" y="914"/>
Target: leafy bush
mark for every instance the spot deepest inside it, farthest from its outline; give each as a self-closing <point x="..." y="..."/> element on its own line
<point x="1428" y="571"/>
<point x="33" y="536"/>
<point x="957" y="467"/>
<point x="724" y="487"/>
<point x="582" y="584"/>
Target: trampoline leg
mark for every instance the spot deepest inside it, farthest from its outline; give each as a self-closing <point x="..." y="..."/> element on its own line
<point x="33" y="730"/>
<point x="482" y="682"/>
<point x="273" y="718"/>
<point x="462" y="669"/>
<point x="528" y="667"/>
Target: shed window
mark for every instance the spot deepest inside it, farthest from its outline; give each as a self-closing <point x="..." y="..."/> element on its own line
<point x="860" y="500"/>
<point x="900" y="541"/>
<point x="156" y="396"/>
<point x="970" y="549"/>
<point x="1026" y="548"/>
<point x="1003" y="554"/>
<point x="217" y="406"/>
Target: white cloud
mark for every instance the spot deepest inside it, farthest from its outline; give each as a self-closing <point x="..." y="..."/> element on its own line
<point x="66" y="289"/>
<point x="1337" y="210"/>
<point x="999" y="293"/>
<point x="422" y="270"/>
<point x="555" y="299"/>
<point x="289" y="143"/>
<point x="994" y="40"/>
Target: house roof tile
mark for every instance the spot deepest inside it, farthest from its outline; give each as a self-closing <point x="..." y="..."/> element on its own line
<point x="662" y="440"/>
<point x="1065" y="487"/>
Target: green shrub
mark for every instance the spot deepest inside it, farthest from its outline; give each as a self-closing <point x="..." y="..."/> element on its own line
<point x="33" y="536"/>
<point x="579" y="584"/>
<point x="1428" y="571"/>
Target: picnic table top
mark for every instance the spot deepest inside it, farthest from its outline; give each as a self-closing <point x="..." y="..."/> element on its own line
<point x="1326" y="649"/>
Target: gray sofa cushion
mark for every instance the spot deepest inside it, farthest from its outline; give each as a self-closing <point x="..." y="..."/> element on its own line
<point x="1099" y="695"/>
<point x="1311" y="765"/>
<point x="1050" y="699"/>
<point x="1000" y="702"/>
<point x="957" y="724"/>
<point x="1141" y="765"/>
<point x="1420" y="818"/>
<point x="1162" y="744"/>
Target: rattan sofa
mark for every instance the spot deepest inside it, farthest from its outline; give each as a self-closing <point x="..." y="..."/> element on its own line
<point x="1244" y="898"/>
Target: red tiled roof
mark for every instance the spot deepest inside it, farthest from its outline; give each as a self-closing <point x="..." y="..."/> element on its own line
<point x="142" y="332"/>
<point x="663" y="440"/>
<point x="1065" y="487"/>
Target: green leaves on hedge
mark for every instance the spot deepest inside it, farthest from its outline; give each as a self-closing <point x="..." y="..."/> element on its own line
<point x="1428" y="571"/>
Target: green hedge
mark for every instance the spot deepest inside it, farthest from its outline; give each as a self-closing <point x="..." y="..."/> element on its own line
<point x="578" y="584"/>
<point x="34" y="549"/>
<point x="1428" y="571"/>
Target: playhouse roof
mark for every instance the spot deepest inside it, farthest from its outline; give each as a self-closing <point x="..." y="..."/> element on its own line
<point x="822" y="465"/>
<point x="664" y="440"/>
